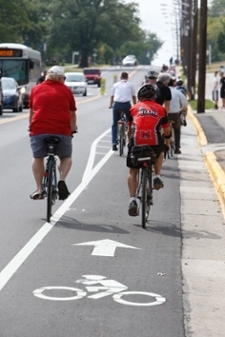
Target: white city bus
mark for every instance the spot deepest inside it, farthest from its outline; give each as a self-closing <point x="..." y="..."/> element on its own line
<point x="23" y="64"/>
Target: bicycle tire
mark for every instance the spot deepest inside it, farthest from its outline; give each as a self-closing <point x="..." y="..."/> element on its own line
<point x="121" y="139"/>
<point x="50" y="188"/>
<point x="149" y="193"/>
<point x="144" y="197"/>
<point x="172" y="143"/>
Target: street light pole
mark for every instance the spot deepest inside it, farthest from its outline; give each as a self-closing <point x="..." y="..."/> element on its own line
<point x="202" y="57"/>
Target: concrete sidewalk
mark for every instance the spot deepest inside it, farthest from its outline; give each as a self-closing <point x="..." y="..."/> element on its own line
<point x="210" y="128"/>
<point x="203" y="237"/>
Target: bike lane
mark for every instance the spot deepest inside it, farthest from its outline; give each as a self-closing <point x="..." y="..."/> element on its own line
<point x="126" y="288"/>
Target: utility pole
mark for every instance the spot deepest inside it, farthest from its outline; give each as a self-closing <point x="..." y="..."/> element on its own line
<point x="192" y="39"/>
<point x="202" y="57"/>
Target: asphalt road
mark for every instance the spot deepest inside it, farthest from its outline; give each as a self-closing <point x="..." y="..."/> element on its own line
<point x="93" y="271"/>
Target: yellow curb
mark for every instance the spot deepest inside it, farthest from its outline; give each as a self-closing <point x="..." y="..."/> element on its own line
<point x="216" y="172"/>
<point x="200" y="133"/>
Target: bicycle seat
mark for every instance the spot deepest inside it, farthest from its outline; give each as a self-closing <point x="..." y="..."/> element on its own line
<point x="52" y="140"/>
<point x="51" y="144"/>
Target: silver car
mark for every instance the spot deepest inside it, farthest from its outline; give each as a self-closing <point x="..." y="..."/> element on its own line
<point x="129" y="60"/>
<point x="76" y="81"/>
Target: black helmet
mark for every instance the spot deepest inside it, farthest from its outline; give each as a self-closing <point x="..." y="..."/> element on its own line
<point x="147" y="91"/>
<point x="179" y="82"/>
<point x="152" y="74"/>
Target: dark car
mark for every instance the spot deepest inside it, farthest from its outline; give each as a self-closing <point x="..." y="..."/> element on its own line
<point x="93" y="76"/>
<point x="12" y="95"/>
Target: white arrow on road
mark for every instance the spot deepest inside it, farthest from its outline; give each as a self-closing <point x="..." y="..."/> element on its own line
<point x="104" y="247"/>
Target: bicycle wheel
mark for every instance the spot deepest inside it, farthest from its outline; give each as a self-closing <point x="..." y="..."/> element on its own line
<point x="144" y="197"/>
<point x="149" y="192"/>
<point x="121" y="139"/>
<point x="50" y="188"/>
<point x="172" y="142"/>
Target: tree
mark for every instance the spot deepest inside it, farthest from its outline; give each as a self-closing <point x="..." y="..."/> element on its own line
<point x="13" y="18"/>
<point x="221" y="40"/>
<point x="86" y="25"/>
<point x="217" y="8"/>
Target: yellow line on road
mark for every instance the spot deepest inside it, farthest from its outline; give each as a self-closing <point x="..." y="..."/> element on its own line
<point x="16" y="118"/>
<point x="13" y="119"/>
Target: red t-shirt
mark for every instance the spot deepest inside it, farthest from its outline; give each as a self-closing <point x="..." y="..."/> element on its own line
<point x="148" y="118"/>
<point x="51" y="103"/>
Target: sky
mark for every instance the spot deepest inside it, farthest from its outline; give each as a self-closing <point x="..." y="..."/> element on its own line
<point x="152" y="14"/>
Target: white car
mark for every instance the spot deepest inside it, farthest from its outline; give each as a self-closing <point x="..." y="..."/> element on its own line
<point x="129" y="60"/>
<point x="76" y="82"/>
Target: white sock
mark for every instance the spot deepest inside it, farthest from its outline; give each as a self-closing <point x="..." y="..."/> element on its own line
<point x="132" y="199"/>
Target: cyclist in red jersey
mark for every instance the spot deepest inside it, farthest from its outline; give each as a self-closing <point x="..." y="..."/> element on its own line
<point x="52" y="112"/>
<point x="148" y="124"/>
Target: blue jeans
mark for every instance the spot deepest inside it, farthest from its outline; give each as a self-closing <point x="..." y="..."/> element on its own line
<point x="116" y="116"/>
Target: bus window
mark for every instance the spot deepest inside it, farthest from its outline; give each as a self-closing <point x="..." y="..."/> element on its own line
<point x="16" y="69"/>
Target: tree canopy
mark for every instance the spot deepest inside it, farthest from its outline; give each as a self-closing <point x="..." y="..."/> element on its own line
<point x="107" y="28"/>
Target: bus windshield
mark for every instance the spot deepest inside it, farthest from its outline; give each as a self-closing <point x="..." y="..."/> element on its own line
<point x="17" y="69"/>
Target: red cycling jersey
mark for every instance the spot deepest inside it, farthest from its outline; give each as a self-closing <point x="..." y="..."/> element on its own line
<point x="148" y="118"/>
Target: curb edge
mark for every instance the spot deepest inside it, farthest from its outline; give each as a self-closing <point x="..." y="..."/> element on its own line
<point x="216" y="172"/>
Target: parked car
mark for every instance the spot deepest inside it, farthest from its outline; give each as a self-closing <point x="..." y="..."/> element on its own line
<point x="76" y="82"/>
<point x="93" y="76"/>
<point x="129" y="60"/>
<point x="12" y="95"/>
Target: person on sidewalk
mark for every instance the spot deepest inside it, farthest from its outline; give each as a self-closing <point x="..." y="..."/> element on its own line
<point x="222" y="89"/>
<point x="123" y="92"/>
<point x="180" y="86"/>
<point x="178" y="103"/>
<point x="148" y="119"/>
<point x="215" y="91"/>
<point x="52" y="112"/>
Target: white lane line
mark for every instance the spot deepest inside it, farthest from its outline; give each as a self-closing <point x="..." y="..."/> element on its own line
<point x="24" y="253"/>
<point x="91" y="158"/>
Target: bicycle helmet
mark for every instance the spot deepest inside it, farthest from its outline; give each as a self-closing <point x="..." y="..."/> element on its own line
<point x="179" y="82"/>
<point x="147" y="91"/>
<point x="152" y="74"/>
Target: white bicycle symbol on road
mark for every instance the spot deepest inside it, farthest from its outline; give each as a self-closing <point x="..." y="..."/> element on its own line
<point x="102" y="287"/>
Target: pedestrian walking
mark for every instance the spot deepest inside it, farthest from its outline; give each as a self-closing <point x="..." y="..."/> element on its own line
<point x="215" y="90"/>
<point x="222" y="89"/>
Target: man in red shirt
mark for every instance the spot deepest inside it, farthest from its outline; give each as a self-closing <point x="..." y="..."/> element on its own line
<point x="147" y="123"/>
<point x="52" y="112"/>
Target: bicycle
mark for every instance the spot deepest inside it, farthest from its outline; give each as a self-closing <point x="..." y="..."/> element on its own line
<point x="49" y="184"/>
<point x="145" y="157"/>
<point x="171" y="151"/>
<point x="121" y="131"/>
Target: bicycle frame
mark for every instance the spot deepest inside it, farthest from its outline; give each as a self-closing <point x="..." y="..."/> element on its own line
<point x="172" y="141"/>
<point x="49" y="184"/>
<point x="121" y="131"/>
<point x="145" y="192"/>
<point x="144" y="155"/>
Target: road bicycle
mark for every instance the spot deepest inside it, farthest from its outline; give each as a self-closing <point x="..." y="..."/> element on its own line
<point x="144" y="157"/>
<point x="121" y="131"/>
<point x="50" y="183"/>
